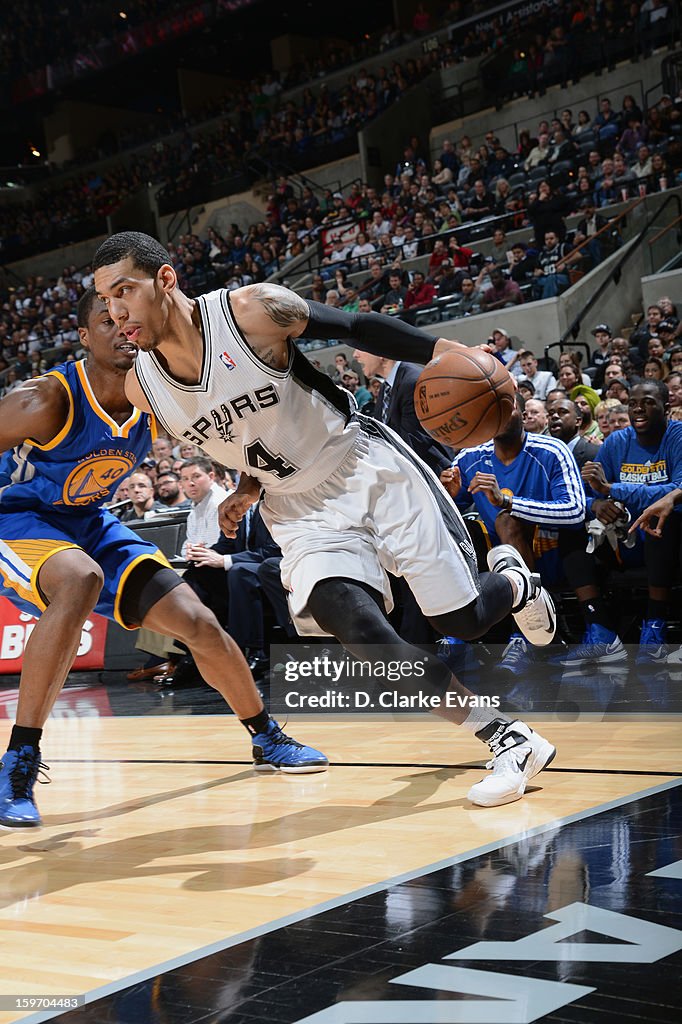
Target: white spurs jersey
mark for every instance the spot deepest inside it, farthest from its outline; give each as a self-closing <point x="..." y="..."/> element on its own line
<point x="290" y="429"/>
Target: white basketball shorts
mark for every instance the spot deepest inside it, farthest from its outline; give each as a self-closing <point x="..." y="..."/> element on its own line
<point x="381" y="511"/>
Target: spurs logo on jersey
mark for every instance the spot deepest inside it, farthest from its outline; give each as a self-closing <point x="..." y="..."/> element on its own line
<point x="288" y="428"/>
<point x="225" y="415"/>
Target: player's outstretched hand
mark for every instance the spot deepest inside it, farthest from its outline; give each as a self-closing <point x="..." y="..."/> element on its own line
<point x="447" y="345"/>
<point x="451" y="480"/>
<point x="232" y="511"/>
<point x="652" y="519"/>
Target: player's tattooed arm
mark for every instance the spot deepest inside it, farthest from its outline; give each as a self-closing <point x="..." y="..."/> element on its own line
<point x="268" y="315"/>
<point x="285" y="308"/>
<point x="36" y="412"/>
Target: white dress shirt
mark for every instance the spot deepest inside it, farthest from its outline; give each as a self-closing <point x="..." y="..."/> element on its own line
<point x="202" y="522"/>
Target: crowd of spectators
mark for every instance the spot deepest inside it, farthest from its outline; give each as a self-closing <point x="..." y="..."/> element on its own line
<point x="571" y="164"/>
<point x="34" y="34"/>
<point x="379" y="231"/>
<point x="471" y="192"/>
<point x="580" y="36"/>
<point x="39" y="36"/>
<point x="295" y="134"/>
<point x="260" y="126"/>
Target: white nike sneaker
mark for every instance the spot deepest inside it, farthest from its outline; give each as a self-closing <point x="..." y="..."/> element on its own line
<point x="519" y="754"/>
<point x="534" y="613"/>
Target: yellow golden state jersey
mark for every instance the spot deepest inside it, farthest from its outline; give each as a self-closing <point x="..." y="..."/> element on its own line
<point x="84" y="464"/>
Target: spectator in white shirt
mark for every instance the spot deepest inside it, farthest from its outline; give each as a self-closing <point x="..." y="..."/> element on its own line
<point x="378" y="227"/>
<point x="642" y="168"/>
<point x="542" y="380"/>
<point x="198" y="482"/>
<point x="362" y="247"/>
<point x="539" y="153"/>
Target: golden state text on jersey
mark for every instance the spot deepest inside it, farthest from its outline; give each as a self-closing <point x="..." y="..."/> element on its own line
<point x="83" y="465"/>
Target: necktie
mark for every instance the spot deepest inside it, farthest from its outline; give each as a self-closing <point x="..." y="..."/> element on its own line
<point x="385" y="402"/>
<point x="248" y="526"/>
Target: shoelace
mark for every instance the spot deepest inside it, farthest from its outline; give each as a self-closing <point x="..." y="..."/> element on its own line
<point x="534" y="612"/>
<point x="585" y="650"/>
<point x="515" y="650"/>
<point x="25" y="773"/>
<point x="279" y="737"/>
<point x="501" y="762"/>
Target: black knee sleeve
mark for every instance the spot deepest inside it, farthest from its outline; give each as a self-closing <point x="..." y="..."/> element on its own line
<point x="148" y="583"/>
<point x="491" y="606"/>
<point x="353" y="613"/>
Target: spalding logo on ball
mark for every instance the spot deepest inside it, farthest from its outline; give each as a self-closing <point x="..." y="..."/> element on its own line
<point x="464" y="398"/>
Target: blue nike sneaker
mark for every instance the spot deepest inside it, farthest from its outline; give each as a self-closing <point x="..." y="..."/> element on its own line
<point x="599" y="646"/>
<point x="18" y="773"/>
<point x="274" y="751"/>
<point x="516" y="657"/>
<point x="652" y="646"/>
<point x="457" y="655"/>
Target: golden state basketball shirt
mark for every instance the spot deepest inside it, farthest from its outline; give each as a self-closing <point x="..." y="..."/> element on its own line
<point x="51" y="497"/>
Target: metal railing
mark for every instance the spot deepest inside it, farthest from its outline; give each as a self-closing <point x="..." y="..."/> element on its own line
<point x="457" y="100"/>
<point x="606" y="230"/>
<point x="464" y="233"/>
<point x="616" y="273"/>
<point x="264" y="168"/>
<point x="182" y="220"/>
<point x="664" y="231"/>
<point x="671" y="71"/>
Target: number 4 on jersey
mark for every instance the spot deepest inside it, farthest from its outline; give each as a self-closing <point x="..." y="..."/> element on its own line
<point x="259" y="457"/>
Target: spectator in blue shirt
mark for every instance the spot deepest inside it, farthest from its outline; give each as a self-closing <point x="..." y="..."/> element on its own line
<point x="526" y="489"/>
<point x="634" y="468"/>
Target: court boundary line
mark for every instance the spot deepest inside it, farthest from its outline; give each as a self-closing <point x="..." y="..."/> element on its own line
<point x="367" y="764"/>
<point x="338" y="901"/>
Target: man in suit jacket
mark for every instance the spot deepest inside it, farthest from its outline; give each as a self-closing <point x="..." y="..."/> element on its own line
<point x="564" y="422"/>
<point x="395" y="407"/>
<point x="239" y="558"/>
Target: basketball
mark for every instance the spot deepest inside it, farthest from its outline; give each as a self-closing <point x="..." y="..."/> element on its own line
<point x="464" y="398"/>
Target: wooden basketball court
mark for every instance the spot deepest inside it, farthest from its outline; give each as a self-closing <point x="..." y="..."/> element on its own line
<point x="162" y="849"/>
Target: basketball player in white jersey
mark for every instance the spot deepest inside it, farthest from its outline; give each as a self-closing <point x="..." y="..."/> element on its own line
<point x="345" y="498"/>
